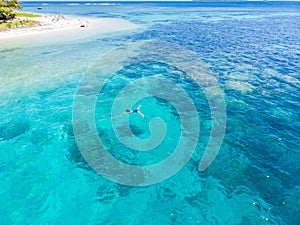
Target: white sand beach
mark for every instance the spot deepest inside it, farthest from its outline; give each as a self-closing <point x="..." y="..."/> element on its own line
<point x="60" y="25"/>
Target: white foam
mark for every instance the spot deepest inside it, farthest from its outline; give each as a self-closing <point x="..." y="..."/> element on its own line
<point x="240" y="86"/>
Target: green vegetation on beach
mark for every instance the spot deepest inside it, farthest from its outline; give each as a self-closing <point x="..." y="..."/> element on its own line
<point x="9" y="18"/>
<point x="23" y="14"/>
<point x="17" y="24"/>
<point x="7" y="8"/>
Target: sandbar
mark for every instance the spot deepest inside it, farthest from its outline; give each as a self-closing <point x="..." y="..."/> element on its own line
<point x="61" y="26"/>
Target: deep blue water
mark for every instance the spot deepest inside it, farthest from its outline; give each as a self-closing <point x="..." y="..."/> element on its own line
<point x="253" y="51"/>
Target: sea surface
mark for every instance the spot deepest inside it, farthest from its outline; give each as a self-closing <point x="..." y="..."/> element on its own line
<point x="252" y="50"/>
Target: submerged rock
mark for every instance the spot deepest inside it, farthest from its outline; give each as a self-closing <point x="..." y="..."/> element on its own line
<point x="13" y="129"/>
<point x="137" y="131"/>
<point x="75" y="156"/>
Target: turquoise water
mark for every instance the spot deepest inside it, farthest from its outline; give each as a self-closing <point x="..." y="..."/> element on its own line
<point x="253" y="50"/>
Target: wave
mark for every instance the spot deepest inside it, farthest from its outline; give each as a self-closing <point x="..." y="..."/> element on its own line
<point x="104" y="4"/>
<point x="107" y="4"/>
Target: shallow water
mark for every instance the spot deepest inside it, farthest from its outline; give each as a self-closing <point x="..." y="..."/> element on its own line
<point x="252" y="49"/>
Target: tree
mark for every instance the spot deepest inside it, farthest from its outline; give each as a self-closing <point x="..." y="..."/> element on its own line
<point x="7" y="8"/>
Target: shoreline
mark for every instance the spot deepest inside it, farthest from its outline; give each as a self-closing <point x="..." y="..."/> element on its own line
<point x="58" y="25"/>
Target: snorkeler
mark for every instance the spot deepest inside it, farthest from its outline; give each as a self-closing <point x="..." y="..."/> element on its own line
<point x="137" y="110"/>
